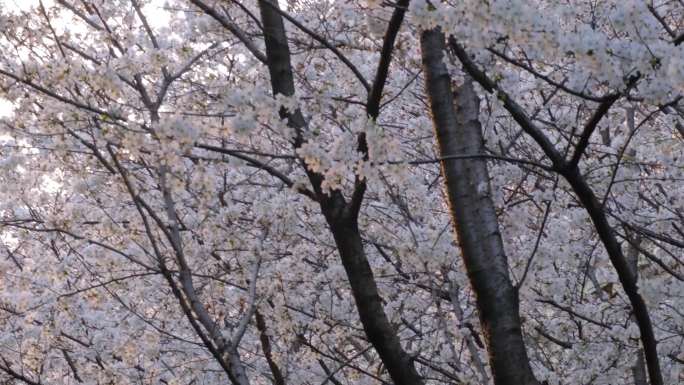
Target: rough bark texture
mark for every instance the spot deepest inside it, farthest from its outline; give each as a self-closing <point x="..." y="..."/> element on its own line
<point x="342" y="218"/>
<point x="379" y="330"/>
<point x="591" y="204"/>
<point x="459" y="133"/>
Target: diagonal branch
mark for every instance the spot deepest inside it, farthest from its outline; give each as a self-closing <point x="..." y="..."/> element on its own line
<point x="325" y="43"/>
<point x="59" y="97"/>
<point x="513" y="108"/>
<point x="590" y="127"/>
<point x="278" y="378"/>
<point x="230" y="26"/>
<point x="215" y="346"/>
<point x="375" y="96"/>
<point x="548" y="79"/>
<point x="591" y="204"/>
<point x="260" y="165"/>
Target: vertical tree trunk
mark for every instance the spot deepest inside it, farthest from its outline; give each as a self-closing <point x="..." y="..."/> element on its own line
<point x="342" y="217"/>
<point x="459" y="133"/>
<point x="596" y="210"/>
<point x="376" y="325"/>
<point x="632" y="256"/>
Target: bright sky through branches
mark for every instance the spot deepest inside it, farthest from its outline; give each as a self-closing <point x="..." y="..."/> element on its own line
<point x="221" y="191"/>
<point x="157" y="17"/>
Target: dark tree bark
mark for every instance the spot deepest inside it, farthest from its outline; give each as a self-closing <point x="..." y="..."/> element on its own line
<point x="278" y="378"/>
<point x="585" y="194"/>
<point x="458" y="132"/>
<point x="380" y="332"/>
<point x="342" y="216"/>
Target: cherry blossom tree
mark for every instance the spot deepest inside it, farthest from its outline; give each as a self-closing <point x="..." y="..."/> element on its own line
<point x="342" y="192"/>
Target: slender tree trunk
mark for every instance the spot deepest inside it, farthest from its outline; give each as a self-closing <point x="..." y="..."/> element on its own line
<point x="459" y="133"/>
<point x="632" y="256"/>
<point x="472" y="348"/>
<point x="342" y="217"/>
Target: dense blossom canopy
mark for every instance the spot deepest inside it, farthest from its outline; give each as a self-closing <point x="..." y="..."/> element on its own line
<point x="163" y="217"/>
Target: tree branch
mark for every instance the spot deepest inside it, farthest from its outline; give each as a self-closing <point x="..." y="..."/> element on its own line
<point x="230" y="26"/>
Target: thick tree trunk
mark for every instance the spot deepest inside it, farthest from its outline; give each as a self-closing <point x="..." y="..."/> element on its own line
<point x="595" y="209"/>
<point x="377" y="326"/>
<point x="459" y="133"/>
<point x="342" y="218"/>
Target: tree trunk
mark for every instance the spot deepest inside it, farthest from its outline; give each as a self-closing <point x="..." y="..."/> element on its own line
<point x="595" y="209"/>
<point x="377" y="326"/>
<point x="342" y="217"/>
<point x="459" y="133"/>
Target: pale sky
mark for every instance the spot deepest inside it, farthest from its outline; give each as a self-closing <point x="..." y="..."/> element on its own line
<point x="154" y="8"/>
<point x="5" y="108"/>
<point x="23" y="4"/>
